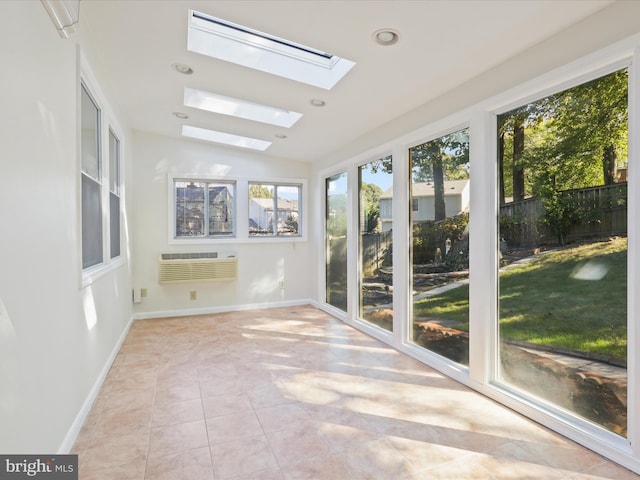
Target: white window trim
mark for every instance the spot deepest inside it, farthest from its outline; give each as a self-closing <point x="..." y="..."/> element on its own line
<point x="241" y="210"/>
<point x="107" y="122"/>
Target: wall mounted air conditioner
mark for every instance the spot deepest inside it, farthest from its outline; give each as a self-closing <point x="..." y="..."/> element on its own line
<point x="195" y="267"/>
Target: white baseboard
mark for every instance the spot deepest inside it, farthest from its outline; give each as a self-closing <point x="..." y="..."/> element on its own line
<point x="227" y="308"/>
<point x="76" y="426"/>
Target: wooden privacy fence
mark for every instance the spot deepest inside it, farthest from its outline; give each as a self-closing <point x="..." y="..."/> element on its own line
<point x="374" y="248"/>
<point x="596" y="211"/>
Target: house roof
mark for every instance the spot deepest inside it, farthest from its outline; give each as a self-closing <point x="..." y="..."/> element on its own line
<point x="425" y="189"/>
<point x="283" y="204"/>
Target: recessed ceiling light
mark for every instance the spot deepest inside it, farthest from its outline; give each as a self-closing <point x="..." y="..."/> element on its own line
<point x="385" y="37"/>
<point x="182" y="68"/>
<point x="215" y="103"/>
<point x="180" y="115"/>
<point x="280" y="135"/>
<point x="316" y="102"/>
<point x="241" y="45"/>
<point x="224" y="138"/>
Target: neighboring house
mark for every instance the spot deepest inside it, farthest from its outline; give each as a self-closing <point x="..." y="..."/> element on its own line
<point x="456" y="200"/>
<point x="261" y="214"/>
<point x="190" y="216"/>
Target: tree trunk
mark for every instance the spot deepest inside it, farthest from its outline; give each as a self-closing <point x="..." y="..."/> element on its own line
<point x="501" y="167"/>
<point x="609" y="160"/>
<point x="438" y="189"/>
<point x="518" y="150"/>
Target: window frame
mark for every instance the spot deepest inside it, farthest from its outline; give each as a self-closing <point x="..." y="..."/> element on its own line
<point x="106" y="124"/>
<point x="96" y="181"/>
<point x="275" y="234"/>
<point x="241" y="217"/>
<point x="547" y="413"/>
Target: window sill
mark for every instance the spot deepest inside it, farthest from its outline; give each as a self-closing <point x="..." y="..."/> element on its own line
<point x="91" y="274"/>
<point x="236" y="240"/>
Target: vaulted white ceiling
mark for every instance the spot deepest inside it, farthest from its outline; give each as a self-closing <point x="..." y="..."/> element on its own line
<point x="442" y="44"/>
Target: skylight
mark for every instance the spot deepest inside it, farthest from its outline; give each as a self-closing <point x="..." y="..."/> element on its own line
<point x="225" y="138"/>
<point x="239" y="108"/>
<point x="243" y="46"/>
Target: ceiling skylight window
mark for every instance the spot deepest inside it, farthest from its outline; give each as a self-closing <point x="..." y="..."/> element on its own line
<point x="244" y="46"/>
<point x="225" y="138"/>
<point x="239" y="108"/>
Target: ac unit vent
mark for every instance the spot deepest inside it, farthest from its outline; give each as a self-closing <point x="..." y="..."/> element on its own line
<point x="195" y="267"/>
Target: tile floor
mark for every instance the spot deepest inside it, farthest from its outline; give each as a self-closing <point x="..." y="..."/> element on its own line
<point x="292" y="393"/>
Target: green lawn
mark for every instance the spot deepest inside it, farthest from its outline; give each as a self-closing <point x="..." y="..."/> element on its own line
<point x="545" y="302"/>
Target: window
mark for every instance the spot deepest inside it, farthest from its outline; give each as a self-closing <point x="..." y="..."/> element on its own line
<point x="440" y="245"/>
<point x="237" y="44"/>
<point x="224" y="138"/>
<point x="100" y="184"/>
<point x="375" y="237"/>
<point x="235" y="107"/>
<point x="91" y="185"/>
<point x="114" y="194"/>
<point x="414" y="205"/>
<point x="274" y="210"/>
<point x="563" y="223"/>
<point x="204" y="208"/>
<point x="336" y="240"/>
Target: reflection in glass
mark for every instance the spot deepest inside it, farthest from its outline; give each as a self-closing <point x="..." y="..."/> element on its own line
<point x="336" y="240"/>
<point x="189" y="208"/>
<point x="197" y="217"/>
<point x="220" y="209"/>
<point x="440" y="245"/>
<point x="563" y="250"/>
<point x="375" y="237"/>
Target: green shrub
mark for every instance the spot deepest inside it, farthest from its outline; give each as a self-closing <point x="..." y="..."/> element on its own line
<point x="428" y="236"/>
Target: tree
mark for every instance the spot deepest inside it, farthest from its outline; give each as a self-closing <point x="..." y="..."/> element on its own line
<point x="513" y="129"/>
<point x="370" y="198"/>
<point x="592" y="126"/>
<point x="518" y="149"/>
<point x="446" y="157"/>
<point x="580" y="137"/>
<point x="384" y="164"/>
<point x="260" y="191"/>
<point x="569" y="140"/>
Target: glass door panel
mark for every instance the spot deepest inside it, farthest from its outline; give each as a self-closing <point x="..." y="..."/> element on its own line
<point x="439" y="212"/>
<point x="375" y="237"/>
<point x="563" y="250"/>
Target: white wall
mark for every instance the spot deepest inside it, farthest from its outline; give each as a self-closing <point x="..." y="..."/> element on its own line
<point x="611" y="24"/>
<point x="55" y="337"/>
<point x="262" y="264"/>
